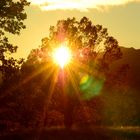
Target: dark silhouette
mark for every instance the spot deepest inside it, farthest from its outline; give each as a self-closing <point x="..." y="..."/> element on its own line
<point x="12" y="15"/>
<point x="93" y="48"/>
<point x="93" y="92"/>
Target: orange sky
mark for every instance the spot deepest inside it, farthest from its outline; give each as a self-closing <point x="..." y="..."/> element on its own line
<point x="121" y="17"/>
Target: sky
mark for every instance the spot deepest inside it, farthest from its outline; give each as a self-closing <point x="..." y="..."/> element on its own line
<point x="120" y="17"/>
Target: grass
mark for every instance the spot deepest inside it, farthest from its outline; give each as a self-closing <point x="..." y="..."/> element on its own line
<point x="94" y="133"/>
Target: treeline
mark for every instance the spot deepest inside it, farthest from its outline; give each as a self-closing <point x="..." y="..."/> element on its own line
<point x="34" y="95"/>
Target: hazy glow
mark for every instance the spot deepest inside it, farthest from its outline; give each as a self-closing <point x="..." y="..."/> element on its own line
<point x="91" y="86"/>
<point x="82" y="5"/>
<point x="62" y="56"/>
<point x="84" y="79"/>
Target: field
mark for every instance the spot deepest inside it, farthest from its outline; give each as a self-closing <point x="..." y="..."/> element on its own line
<point x="95" y="133"/>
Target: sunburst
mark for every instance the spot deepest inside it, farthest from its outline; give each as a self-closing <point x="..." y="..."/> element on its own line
<point x="62" y="56"/>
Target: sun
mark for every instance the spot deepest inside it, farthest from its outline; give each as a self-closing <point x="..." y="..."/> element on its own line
<point x="62" y="56"/>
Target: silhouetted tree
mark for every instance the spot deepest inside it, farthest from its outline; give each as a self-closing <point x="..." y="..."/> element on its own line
<point x="92" y="48"/>
<point x="12" y="15"/>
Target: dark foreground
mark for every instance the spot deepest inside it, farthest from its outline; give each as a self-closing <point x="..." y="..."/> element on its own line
<point x="109" y="133"/>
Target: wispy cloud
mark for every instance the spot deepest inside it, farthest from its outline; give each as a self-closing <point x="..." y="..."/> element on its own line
<point x="81" y="5"/>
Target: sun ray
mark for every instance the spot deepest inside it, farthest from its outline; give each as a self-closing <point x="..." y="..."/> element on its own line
<point x="81" y="67"/>
<point x="27" y="79"/>
<point x="75" y="85"/>
<point x="49" y="94"/>
<point x="47" y="100"/>
<point x="72" y="79"/>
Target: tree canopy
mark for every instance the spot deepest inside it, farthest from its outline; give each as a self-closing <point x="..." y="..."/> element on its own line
<point x="82" y="37"/>
<point x="49" y="95"/>
<point x="93" y="51"/>
<point x="92" y="48"/>
<point x="12" y="15"/>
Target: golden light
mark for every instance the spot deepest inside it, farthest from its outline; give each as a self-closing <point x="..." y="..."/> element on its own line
<point x="62" y="56"/>
<point x="81" y="5"/>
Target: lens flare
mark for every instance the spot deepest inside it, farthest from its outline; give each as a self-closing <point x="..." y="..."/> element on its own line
<point x="62" y="56"/>
<point x="90" y="86"/>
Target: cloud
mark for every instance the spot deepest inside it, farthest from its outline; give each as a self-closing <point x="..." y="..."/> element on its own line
<point x="81" y="5"/>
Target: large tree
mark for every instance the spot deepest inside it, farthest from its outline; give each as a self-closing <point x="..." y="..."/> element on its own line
<point x="12" y="15"/>
<point x="93" y="51"/>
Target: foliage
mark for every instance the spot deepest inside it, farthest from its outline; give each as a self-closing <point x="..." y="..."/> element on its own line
<point x="85" y="37"/>
<point x="12" y="15"/>
<point x="92" y="48"/>
<point x="40" y="94"/>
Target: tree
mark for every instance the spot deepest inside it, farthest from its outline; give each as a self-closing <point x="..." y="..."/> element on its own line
<point x="12" y="15"/>
<point x="93" y="52"/>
